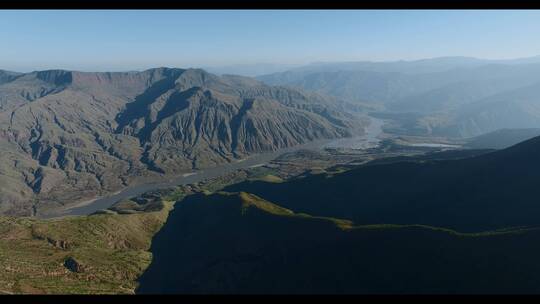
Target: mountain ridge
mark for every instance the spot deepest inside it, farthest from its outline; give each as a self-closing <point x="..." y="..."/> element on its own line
<point x="445" y="99"/>
<point x="468" y="194"/>
<point x="247" y="251"/>
<point x="69" y="136"/>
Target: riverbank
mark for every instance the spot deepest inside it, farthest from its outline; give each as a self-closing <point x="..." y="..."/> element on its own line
<point x="369" y="139"/>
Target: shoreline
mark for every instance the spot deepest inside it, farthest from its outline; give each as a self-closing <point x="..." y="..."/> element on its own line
<point x="255" y="160"/>
<point x="104" y="202"/>
<point x="62" y="212"/>
<point x="89" y="201"/>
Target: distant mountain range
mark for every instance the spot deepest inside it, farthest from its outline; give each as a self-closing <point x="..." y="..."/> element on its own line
<point x="419" y="225"/>
<point x="66" y="136"/>
<point x="456" y="96"/>
<point x="250" y="70"/>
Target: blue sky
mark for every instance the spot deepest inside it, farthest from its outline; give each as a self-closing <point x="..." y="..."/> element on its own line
<point x="132" y="39"/>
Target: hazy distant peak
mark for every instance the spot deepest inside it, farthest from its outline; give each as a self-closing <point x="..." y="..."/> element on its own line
<point x="56" y="77"/>
<point x="251" y="70"/>
<point x="6" y="72"/>
<point x="241" y="80"/>
<point x="7" y="76"/>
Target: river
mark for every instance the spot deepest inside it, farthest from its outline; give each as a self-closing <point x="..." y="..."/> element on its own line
<point x="368" y="140"/>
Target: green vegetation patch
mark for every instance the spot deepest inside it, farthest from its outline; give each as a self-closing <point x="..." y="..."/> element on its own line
<point x="510" y="230"/>
<point x="177" y="194"/>
<point x="101" y="253"/>
<point x="251" y="200"/>
<point x="269" y="178"/>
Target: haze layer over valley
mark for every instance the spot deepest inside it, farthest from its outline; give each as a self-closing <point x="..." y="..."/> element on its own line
<point x="458" y="97"/>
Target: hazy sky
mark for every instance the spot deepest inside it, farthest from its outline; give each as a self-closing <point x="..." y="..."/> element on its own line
<point x="129" y="40"/>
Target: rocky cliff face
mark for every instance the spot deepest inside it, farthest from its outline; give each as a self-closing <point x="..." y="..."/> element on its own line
<point x="66" y="136"/>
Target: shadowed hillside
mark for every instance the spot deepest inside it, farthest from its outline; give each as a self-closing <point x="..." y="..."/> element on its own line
<point x="241" y="243"/>
<point x="489" y="191"/>
<point x="502" y="139"/>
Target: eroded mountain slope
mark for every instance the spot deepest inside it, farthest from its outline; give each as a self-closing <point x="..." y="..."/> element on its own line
<point x="68" y="136"/>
